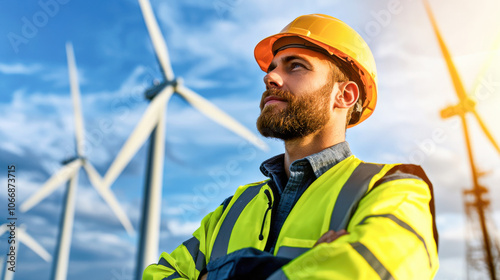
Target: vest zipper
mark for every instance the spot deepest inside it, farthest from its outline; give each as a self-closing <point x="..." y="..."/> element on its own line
<point x="269" y="207"/>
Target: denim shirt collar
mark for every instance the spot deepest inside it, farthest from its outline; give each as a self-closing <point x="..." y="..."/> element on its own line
<point x="319" y="162"/>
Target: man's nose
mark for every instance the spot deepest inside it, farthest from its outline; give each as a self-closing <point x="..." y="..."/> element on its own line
<point x="273" y="79"/>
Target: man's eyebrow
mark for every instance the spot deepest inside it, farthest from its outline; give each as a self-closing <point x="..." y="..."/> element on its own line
<point x="286" y="59"/>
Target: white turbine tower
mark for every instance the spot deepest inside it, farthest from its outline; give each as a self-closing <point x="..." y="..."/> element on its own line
<point x="152" y="124"/>
<point x="69" y="173"/>
<point x="22" y="237"/>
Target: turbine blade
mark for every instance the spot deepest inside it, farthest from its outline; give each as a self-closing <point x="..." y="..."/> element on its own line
<point x="157" y="39"/>
<point x="55" y="181"/>
<point x="486" y="131"/>
<point x="29" y="241"/>
<point x="219" y="116"/>
<point x="75" y="96"/>
<point x="108" y="196"/>
<point x="457" y="82"/>
<point x="94" y="177"/>
<point x="487" y="64"/>
<point x="113" y="203"/>
<point x="138" y="137"/>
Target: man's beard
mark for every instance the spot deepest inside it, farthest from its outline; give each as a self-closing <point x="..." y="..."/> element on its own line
<point x="302" y="115"/>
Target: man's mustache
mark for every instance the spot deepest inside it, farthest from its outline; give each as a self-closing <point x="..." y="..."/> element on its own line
<point x="282" y="94"/>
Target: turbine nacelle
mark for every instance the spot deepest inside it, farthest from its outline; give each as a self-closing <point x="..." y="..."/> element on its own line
<point x="466" y="106"/>
<point x="71" y="159"/>
<point x="158" y="87"/>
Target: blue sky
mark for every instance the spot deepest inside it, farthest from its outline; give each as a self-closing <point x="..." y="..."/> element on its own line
<point x="211" y="48"/>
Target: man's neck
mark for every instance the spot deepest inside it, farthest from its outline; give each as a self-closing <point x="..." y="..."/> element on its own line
<point x="314" y="143"/>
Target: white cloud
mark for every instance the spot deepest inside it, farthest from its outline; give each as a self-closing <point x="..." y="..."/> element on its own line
<point x="11" y="147"/>
<point x="20" y="69"/>
<point x="452" y="268"/>
<point x="107" y="245"/>
<point x="60" y="77"/>
<point x="91" y="207"/>
<point x="178" y="228"/>
<point x="451" y="226"/>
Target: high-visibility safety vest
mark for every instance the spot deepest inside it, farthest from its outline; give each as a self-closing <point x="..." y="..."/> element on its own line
<point x="386" y="209"/>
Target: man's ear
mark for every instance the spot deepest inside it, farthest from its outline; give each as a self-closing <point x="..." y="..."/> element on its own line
<point x="348" y="95"/>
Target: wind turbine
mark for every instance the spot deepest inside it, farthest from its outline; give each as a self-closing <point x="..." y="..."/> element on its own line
<point x="69" y="173"/>
<point x="477" y="204"/>
<point x="152" y="124"/>
<point x="22" y="237"/>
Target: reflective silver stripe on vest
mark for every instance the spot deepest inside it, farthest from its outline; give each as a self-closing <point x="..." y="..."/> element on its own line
<point x="193" y="246"/>
<point x="403" y="225"/>
<point x="396" y="176"/>
<point x="350" y="194"/>
<point x="278" y="275"/>
<point x="372" y="261"/>
<point x="291" y="252"/>
<point x="165" y="263"/>
<point x="221" y="243"/>
<point x="173" y="276"/>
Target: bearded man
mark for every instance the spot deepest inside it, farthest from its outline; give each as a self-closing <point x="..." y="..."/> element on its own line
<point x="322" y="213"/>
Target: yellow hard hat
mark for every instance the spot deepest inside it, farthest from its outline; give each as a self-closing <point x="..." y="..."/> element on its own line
<point x="338" y="39"/>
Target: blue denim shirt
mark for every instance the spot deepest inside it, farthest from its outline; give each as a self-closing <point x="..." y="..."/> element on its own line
<point x="287" y="192"/>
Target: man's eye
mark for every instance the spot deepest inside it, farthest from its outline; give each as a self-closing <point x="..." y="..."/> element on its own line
<point x="295" y="65"/>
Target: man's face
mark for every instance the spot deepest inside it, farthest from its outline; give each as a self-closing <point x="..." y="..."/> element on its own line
<point x="297" y="100"/>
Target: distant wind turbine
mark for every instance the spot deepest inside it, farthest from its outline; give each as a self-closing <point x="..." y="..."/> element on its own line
<point x="152" y="124"/>
<point x="69" y="173"/>
<point x="487" y="256"/>
<point x="22" y="237"/>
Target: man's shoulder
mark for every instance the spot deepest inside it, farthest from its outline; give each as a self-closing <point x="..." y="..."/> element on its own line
<point x="258" y="184"/>
<point x="403" y="171"/>
<point x="255" y="186"/>
<point x="381" y="173"/>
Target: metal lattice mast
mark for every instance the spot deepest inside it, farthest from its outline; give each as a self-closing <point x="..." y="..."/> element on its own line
<point x="477" y="267"/>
